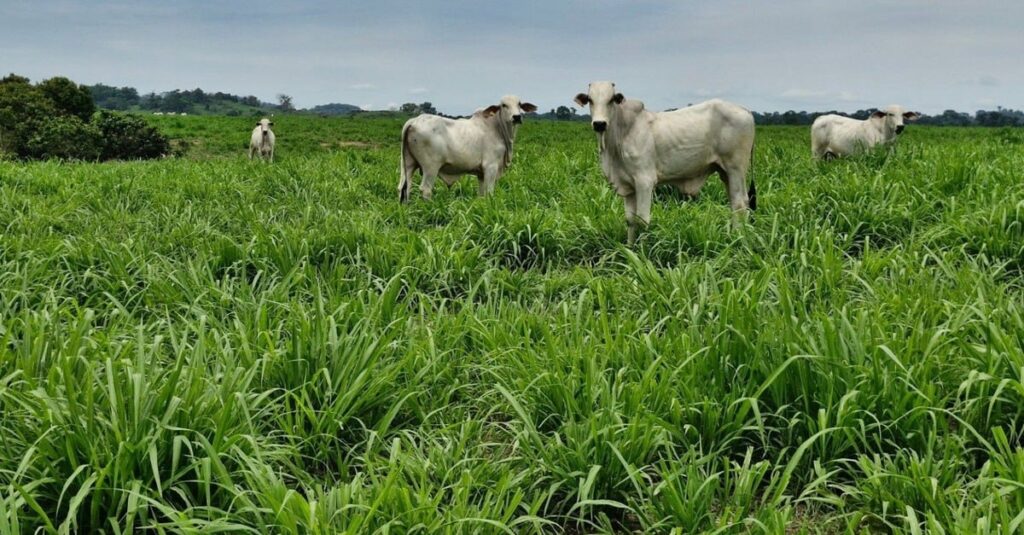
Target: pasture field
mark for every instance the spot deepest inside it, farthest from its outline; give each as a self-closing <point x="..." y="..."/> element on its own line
<point x="206" y="344"/>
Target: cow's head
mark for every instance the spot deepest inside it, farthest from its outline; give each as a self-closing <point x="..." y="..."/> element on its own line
<point x="891" y="120"/>
<point x="264" y="125"/>
<point x="602" y="98"/>
<point x="510" y="110"/>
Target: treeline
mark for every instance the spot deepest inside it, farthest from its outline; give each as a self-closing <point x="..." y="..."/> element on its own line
<point x="179" y="101"/>
<point x="999" y="117"/>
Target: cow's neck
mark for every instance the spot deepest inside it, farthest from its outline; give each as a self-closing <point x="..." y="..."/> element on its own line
<point x="507" y="132"/>
<point x="616" y="129"/>
<point x="883" y="133"/>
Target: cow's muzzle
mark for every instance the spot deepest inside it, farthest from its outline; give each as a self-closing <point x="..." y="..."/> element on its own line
<point x="600" y="126"/>
<point x="899" y="129"/>
<point x="518" y="119"/>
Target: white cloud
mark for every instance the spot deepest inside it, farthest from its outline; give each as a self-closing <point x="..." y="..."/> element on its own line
<point x="801" y="94"/>
<point x="362" y="86"/>
<point x="418" y="90"/>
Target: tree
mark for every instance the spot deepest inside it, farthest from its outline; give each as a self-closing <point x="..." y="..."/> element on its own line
<point x="284" y="102"/>
<point x="409" y="107"/>
<point x="427" y="107"/>
<point x="14" y="79"/>
<point x="564" y="113"/>
<point x="68" y="97"/>
<point x="23" y="110"/>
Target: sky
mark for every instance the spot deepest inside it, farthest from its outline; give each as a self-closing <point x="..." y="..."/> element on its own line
<point x="464" y="54"/>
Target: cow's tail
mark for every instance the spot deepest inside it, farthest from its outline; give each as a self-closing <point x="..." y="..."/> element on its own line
<point x="752" y="192"/>
<point x="406" y="174"/>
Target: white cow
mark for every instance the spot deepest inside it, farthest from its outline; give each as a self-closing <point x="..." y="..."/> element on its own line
<point x="835" y="135"/>
<point x="262" y="140"/>
<point x="641" y="149"/>
<point x="480" y="145"/>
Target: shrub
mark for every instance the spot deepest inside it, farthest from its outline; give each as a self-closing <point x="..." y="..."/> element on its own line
<point x="68" y="97"/>
<point x="23" y="109"/>
<point x="65" y="137"/>
<point x="127" y="137"/>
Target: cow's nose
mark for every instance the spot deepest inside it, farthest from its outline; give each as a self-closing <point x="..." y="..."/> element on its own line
<point x="517" y="119"/>
<point x="899" y="129"/>
<point x="599" y="126"/>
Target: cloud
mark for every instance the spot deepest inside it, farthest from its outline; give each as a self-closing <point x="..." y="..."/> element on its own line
<point x="419" y="90"/>
<point x="802" y="94"/>
<point x="362" y="87"/>
<point x="988" y="81"/>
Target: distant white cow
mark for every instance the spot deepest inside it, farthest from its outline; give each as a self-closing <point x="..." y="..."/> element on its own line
<point x="641" y="149"/>
<point x="480" y="145"/>
<point x="262" y="140"/>
<point x="834" y="135"/>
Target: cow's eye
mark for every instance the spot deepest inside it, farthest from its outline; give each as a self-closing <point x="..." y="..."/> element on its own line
<point x="504" y="105"/>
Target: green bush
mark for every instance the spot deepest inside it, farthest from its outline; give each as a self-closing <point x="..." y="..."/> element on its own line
<point x="23" y="109"/>
<point x="65" y="137"/>
<point x="126" y="137"/>
<point x="55" y="119"/>
<point x="68" y="97"/>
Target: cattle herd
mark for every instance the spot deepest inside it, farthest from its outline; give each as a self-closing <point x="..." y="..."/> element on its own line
<point x="639" y="149"/>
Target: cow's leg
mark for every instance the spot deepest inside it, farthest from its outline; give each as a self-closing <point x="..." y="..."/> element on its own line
<point x="734" y="178"/>
<point x="271" y="155"/>
<point x="630" y="204"/>
<point x="490" y="179"/>
<point x="643" y="193"/>
<point x="252" y="150"/>
<point x="427" y="184"/>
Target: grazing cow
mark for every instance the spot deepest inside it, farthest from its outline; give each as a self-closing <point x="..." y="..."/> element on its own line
<point x="834" y="135"/>
<point x="262" y="140"/>
<point x="480" y="145"/>
<point x="641" y="149"/>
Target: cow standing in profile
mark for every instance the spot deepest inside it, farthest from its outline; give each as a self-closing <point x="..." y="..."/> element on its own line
<point x="641" y="149"/>
<point x="480" y="145"/>
<point x="262" y="140"/>
<point x="834" y="135"/>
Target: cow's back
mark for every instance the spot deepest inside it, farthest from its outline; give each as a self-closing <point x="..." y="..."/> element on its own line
<point x="691" y="139"/>
<point x="451" y="145"/>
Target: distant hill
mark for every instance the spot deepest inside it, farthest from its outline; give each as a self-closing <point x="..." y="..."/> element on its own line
<point x="196" y="102"/>
<point x="335" y="109"/>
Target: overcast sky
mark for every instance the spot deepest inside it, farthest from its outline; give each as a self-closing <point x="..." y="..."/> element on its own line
<point x="460" y="55"/>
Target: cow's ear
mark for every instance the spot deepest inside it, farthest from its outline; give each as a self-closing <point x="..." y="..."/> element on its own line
<point x="911" y="116"/>
<point x="527" y="107"/>
<point x="582" y="99"/>
<point x="618" y="98"/>
<point x="878" y="114"/>
<point x="491" y="110"/>
<point x="257" y="123"/>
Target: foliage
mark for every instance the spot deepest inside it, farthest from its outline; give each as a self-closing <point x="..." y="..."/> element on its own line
<point x="334" y="109"/>
<point x="127" y="137"/>
<point x="284" y="102"/>
<point x="412" y="108"/>
<point x="23" y="109"/>
<point x="198" y="346"/>
<point x="114" y="98"/>
<point x="68" y="97"/>
<point x="55" y="119"/>
<point x="65" y="137"/>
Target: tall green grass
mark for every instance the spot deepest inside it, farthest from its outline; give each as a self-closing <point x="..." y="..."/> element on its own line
<point x="206" y="344"/>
